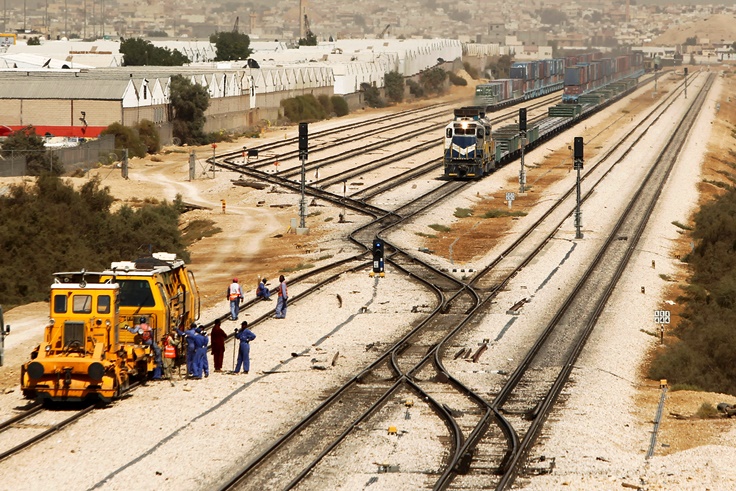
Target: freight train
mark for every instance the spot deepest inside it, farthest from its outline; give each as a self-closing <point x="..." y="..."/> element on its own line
<point x="90" y="349"/>
<point x="527" y="80"/>
<point x="589" y="72"/>
<point x="472" y="150"/>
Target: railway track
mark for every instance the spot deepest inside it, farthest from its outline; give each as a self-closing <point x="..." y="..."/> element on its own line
<point x="409" y="357"/>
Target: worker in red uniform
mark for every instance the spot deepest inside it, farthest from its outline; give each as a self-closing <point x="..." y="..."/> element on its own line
<point x="218" y="344"/>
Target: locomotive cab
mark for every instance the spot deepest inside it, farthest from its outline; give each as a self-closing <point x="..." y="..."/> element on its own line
<point x="468" y="145"/>
<point x="79" y="357"/>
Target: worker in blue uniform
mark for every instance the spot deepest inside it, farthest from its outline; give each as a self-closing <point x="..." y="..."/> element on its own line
<point x="201" y="341"/>
<point x="189" y="334"/>
<point x="245" y="336"/>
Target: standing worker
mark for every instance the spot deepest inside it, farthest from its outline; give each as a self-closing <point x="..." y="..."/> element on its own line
<point x="235" y="295"/>
<point x="245" y="336"/>
<point x="201" y="341"/>
<point x="170" y="345"/>
<point x="283" y="297"/>
<point x="189" y="334"/>
<point x="218" y="344"/>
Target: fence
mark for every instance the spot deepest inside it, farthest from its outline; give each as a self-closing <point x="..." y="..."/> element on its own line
<point x="83" y="156"/>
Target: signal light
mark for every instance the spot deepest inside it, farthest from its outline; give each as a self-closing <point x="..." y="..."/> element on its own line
<point x="522" y="119"/>
<point x="686" y="71"/>
<point x="303" y="140"/>
<point x="378" y="255"/>
<point x="577" y="154"/>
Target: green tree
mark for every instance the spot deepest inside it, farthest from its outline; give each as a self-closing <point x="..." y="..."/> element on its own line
<point x="126" y="137"/>
<point x="692" y="41"/>
<point x="371" y="95"/>
<point x="34" y="41"/>
<point x="394" y="83"/>
<point x="149" y="136"/>
<point x="49" y="226"/>
<point x="139" y="52"/>
<point x="231" y="46"/>
<point x="433" y="80"/>
<point x="310" y="39"/>
<point x="188" y="102"/>
<point x="27" y="143"/>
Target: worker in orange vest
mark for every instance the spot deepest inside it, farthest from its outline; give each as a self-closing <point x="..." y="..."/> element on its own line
<point x="235" y="295"/>
<point x="170" y="344"/>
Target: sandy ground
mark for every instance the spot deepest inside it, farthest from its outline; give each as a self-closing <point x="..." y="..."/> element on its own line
<point x="597" y="436"/>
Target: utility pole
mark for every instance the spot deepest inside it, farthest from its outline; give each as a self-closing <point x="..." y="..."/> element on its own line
<point x="578" y="166"/>
<point x="66" y="19"/>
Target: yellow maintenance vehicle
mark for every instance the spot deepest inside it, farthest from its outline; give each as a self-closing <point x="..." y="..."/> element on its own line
<point x="95" y="344"/>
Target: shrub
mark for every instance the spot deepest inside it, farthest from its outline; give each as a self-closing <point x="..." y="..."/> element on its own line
<point x="439" y="228"/>
<point x="303" y="108"/>
<point x="503" y="213"/>
<point x="463" y="212"/>
<point x="707" y="411"/>
<point x="38" y="160"/>
<point x="456" y="79"/>
<point x="326" y="103"/>
<point x="126" y="137"/>
<point x="148" y="135"/>
<point x="340" y="105"/>
<point x="415" y="89"/>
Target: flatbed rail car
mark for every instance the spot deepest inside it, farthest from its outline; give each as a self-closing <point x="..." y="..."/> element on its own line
<point x="90" y="349"/>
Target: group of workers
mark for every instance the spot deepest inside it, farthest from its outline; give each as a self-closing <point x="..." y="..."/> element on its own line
<point x="197" y="339"/>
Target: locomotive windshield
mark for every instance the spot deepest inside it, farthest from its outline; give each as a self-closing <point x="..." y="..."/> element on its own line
<point x="135" y="293"/>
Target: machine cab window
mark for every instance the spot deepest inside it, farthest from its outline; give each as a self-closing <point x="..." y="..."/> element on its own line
<point x="82" y="304"/>
<point x="103" y="304"/>
<point x="60" y="304"/>
<point x="448" y="133"/>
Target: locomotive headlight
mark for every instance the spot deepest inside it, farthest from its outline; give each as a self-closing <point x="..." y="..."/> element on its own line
<point x="464" y="125"/>
<point x="35" y="370"/>
<point x="96" y="371"/>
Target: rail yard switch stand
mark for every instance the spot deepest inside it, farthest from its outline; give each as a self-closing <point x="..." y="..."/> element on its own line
<point x="223" y="205"/>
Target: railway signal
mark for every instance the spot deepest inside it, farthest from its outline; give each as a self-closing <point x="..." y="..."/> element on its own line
<point x="303" y="140"/>
<point x="522" y="136"/>
<point x="378" y="257"/>
<point x="303" y="151"/>
<point x="577" y="154"/>
<point x="685" y="82"/>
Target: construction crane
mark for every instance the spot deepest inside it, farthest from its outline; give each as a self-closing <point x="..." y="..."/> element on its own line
<point x="385" y="30"/>
<point x="235" y="27"/>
